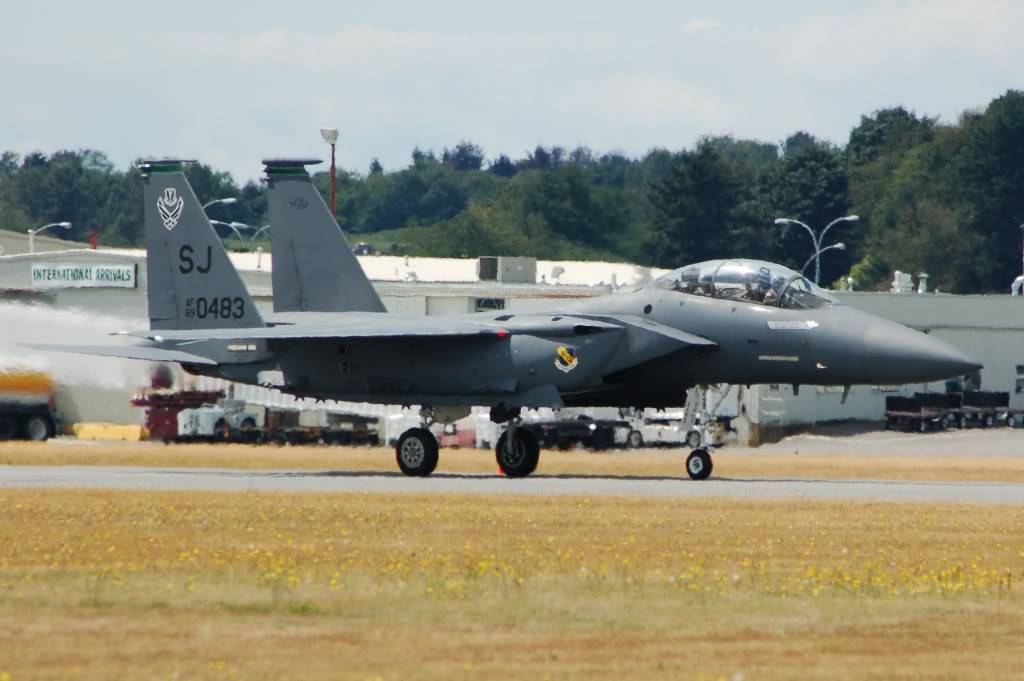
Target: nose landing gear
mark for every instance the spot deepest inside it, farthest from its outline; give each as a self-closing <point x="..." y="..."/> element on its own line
<point x="699" y="464"/>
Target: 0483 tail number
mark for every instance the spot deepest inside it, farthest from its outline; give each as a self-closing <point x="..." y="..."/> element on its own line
<point x="215" y="308"/>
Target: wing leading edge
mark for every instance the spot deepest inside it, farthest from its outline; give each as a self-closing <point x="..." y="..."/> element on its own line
<point x="128" y="352"/>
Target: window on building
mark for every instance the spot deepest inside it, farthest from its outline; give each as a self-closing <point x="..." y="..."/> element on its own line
<point x="1020" y="378"/>
<point x="489" y="304"/>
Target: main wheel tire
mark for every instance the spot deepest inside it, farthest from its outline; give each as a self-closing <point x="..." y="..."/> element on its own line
<point x="416" y="452"/>
<point x="923" y="426"/>
<point x="1011" y="421"/>
<point x="220" y="431"/>
<point x="989" y="420"/>
<point x="247" y="430"/>
<point x="635" y="439"/>
<point x="519" y="457"/>
<point x="8" y="428"/>
<point x="946" y="423"/>
<point x="698" y="465"/>
<point x="37" y="428"/>
<point x="602" y="440"/>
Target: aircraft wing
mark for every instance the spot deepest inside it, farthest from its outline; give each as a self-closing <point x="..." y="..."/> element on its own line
<point x="128" y="352"/>
<point x="370" y="325"/>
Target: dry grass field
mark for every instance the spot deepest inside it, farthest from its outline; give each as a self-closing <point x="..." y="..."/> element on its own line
<point x="175" y="585"/>
<point x="728" y="463"/>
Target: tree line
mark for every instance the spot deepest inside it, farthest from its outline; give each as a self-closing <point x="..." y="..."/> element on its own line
<point x="942" y="198"/>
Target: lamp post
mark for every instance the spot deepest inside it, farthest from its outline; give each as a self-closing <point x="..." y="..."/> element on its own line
<point x="257" y="233"/>
<point x="838" y="246"/>
<point x="224" y="202"/>
<point x="1021" y="227"/>
<point x="817" y="238"/>
<point x="1017" y="287"/>
<point x="234" y="227"/>
<point x="330" y="136"/>
<point x="32" y="233"/>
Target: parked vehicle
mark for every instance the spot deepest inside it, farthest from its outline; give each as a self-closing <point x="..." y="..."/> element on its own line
<point x="163" y="407"/>
<point x="584" y="431"/>
<point x="666" y="430"/>
<point x="982" y="409"/>
<point x="938" y="411"/>
<point x="237" y="421"/>
<point x="26" y="406"/>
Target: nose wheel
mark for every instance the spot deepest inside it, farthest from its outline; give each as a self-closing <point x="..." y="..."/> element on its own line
<point x="698" y="465"/>
<point x="416" y="452"/>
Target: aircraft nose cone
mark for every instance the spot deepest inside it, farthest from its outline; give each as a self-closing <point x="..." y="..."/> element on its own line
<point x="895" y="354"/>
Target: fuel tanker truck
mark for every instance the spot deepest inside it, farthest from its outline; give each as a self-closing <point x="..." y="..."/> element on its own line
<point x="26" y="406"/>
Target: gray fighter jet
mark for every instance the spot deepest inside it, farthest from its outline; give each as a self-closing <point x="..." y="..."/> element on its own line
<point x="723" y="321"/>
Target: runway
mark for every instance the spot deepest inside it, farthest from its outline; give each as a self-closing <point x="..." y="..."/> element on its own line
<point x="201" y="479"/>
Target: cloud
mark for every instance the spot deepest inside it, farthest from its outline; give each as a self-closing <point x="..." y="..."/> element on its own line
<point x="698" y="26"/>
<point x="234" y="95"/>
<point x="890" y="39"/>
<point x="639" y="101"/>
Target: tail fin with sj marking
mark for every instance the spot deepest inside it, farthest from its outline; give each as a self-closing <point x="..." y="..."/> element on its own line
<point x="314" y="269"/>
<point x="191" y="281"/>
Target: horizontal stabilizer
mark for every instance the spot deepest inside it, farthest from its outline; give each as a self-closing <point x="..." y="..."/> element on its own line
<point x="128" y="352"/>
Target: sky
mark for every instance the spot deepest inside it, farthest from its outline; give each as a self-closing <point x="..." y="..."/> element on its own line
<point x="230" y="83"/>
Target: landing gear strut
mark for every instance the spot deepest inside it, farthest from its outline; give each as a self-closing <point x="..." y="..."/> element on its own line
<point x="518" y="452"/>
<point x="698" y="464"/>
<point x="416" y="452"/>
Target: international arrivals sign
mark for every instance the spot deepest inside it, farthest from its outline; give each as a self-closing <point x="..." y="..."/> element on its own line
<point x="58" y="275"/>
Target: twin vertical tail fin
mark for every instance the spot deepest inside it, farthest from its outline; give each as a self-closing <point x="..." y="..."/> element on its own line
<point x="314" y="269"/>
<point x="192" y="283"/>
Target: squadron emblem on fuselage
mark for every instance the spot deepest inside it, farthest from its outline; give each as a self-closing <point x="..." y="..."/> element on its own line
<point x="566" y="359"/>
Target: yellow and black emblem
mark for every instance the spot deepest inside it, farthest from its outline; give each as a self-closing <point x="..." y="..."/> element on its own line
<point x="566" y="359"/>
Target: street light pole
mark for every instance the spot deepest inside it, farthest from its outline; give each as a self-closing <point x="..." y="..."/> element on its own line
<point x="257" y="233"/>
<point x="839" y="247"/>
<point x="233" y="226"/>
<point x="1021" y="227"/>
<point x="224" y="202"/>
<point x="330" y="135"/>
<point x="816" y="239"/>
<point x="32" y="233"/>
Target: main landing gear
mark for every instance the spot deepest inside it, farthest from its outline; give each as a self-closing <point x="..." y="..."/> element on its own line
<point x="518" y="450"/>
<point x="416" y="452"/>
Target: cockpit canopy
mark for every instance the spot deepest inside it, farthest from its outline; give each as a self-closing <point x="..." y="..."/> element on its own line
<point x="750" y="281"/>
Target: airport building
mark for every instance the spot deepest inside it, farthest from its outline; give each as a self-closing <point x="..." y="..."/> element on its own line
<point x="67" y="292"/>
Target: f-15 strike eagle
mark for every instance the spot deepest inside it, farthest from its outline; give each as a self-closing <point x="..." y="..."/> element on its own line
<point x="330" y="337"/>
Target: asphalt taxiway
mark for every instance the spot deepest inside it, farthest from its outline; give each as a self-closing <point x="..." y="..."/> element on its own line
<point x="203" y="479"/>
